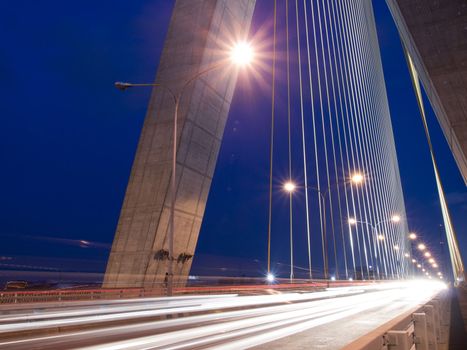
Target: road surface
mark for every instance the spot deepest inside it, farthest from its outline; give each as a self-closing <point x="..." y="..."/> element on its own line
<point x="328" y="319"/>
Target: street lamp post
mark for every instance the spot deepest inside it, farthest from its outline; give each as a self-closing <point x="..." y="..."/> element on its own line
<point x="241" y="55"/>
<point x="394" y="218"/>
<point x="290" y="187"/>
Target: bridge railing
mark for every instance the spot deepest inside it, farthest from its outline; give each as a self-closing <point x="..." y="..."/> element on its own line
<point x="59" y="295"/>
<point x="8" y="297"/>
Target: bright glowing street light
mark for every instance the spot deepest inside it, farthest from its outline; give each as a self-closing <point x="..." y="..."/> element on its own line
<point x="431" y="261"/>
<point x="412" y="236"/>
<point x="414" y="261"/>
<point x="435" y="265"/>
<point x="419" y="266"/>
<point x="270" y="277"/>
<point x="289" y="186"/>
<point x="242" y="53"/>
<point x="421" y="246"/>
<point x="352" y="221"/>
<point x="396" y="247"/>
<point x="423" y="270"/>
<point x="396" y="218"/>
<point x="381" y="237"/>
<point x="427" y="254"/>
<point x="357" y="178"/>
<point x="407" y="255"/>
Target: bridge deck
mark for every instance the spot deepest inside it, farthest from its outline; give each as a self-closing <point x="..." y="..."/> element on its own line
<point x="364" y="330"/>
<point x="329" y="319"/>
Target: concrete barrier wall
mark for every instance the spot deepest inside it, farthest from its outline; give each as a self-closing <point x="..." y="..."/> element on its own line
<point x="424" y="328"/>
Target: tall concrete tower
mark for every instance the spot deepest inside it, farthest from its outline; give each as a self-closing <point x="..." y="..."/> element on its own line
<point x="198" y="30"/>
<point x="435" y="35"/>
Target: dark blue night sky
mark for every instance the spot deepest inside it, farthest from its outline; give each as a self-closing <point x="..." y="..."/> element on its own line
<point x="67" y="137"/>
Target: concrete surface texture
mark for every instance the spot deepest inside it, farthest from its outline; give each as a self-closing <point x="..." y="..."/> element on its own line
<point x="435" y="35"/>
<point x="458" y="332"/>
<point x="199" y="34"/>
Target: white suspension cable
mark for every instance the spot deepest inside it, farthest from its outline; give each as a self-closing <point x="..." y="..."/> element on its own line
<point x="303" y="143"/>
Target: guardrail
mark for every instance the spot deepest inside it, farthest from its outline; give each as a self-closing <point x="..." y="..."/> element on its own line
<point x="425" y="329"/>
<point x="15" y="297"/>
<point x="76" y="295"/>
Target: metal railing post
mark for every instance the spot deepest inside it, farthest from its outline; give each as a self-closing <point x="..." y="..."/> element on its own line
<point x="437" y="318"/>
<point x="399" y="340"/>
<point x="420" y="331"/>
<point x="431" y="327"/>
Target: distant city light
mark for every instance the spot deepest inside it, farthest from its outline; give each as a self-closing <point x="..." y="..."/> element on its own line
<point x="427" y="254"/>
<point x="413" y="236"/>
<point x="421" y="246"/>
<point x="350" y="279"/>
<point x="352" y="221"/>
<point x="414" y="261"/>
<point x="431" y="261"/>
<point x="396" y="218"/>
<point x="407" y="255"/>
<point x="333" y="278"/>
<point x="396" y="247"/>
<point x="381" y="237"/>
